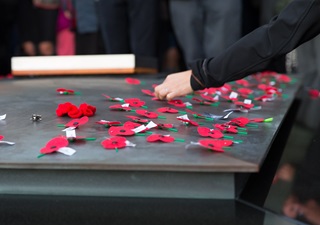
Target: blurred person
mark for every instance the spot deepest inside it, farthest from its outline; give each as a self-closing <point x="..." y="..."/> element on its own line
<point x="37" y="26"/>
<point x="304" y="201"/>
<point x="204" y="28"/>
<point x="87" y="30"/>
<point x="8" y="12"/>
<point x="129" y="26"/>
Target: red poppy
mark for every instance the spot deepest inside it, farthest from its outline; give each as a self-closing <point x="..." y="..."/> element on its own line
<point x="132" y="81"/>
<point x="134" y="102"/>
<point x="264" y="98"/>
<point x="202" y="102"/>
<point x="120" y="108"/>
<point x="167" y="110"/>
<point x="243" y="82"/>
<point x="257" y="120"/>
<point x="226" y="128"/>
<point x="108" y="123"/>
<point x="64" y="108"/>
<point x="244" y="105"/>
<point x="207" y="132"/>
<point x="240" y="121"/>
<point x="282" y="78"/>
<point x="1" y="137"/>
<point x="131" y="125"/>
<point x="74" y="112"/>
<point x="63" y="91"/>
<point x="77" y="122"/>
<point x="146" y="113"/>
<point x="87" y="110"/>
<point x="188" y="121"/>
<point x="210" y="98"/>
<point x="177" y="103"/>
<point x="54" y="145"/>
<point x="114" y="143"/>
<point x="245" y="91"/>
<point x="226" y="88"/>
<point x="121" y="131"/>
<point x="113" y="99"/>
<point x="148" y="92"/>
<point x="138" y="119"/>
<point x="314" y="93"/>
<point x="216" y="145"/>
<point x="194" y="113"/>
<point x="164" y="126"/>
<point x="159" y="137"/>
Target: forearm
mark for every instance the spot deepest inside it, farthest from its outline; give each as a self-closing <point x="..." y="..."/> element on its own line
<point x="296" y="24"/>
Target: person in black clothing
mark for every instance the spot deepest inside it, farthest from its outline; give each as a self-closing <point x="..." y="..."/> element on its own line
<point x="296" y="24"/>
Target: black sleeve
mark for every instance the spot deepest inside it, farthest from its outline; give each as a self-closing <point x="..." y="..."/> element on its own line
<point x="296" y="24"/>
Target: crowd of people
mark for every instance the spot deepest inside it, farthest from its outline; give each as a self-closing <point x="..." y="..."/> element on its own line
<point x="175" y="32"/>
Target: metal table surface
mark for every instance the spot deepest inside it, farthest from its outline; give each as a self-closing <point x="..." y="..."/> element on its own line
<point x="147" y="170"/>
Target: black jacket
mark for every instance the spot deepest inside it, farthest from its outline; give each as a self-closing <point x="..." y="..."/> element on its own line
<point x="296" y="24"/>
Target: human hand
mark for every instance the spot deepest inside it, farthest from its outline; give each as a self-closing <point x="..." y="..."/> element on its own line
<point x="175" y="85"/>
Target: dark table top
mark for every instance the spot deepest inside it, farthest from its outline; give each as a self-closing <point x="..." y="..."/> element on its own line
<point x="20" y="98"/>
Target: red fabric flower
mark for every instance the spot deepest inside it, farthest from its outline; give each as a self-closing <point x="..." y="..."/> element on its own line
<point x="314" y="93"/>
<point x="207" y="132"/>
<point x="1" y="137"/>
<point x="54" y="145"/>
<point x="257" y="120"/>
<point x="167" y="110"/>
<point x="164" y="126"/>
<point x="202" y="102"/>
<point x="87" y="110"/>
<point x="226" y="128"/>
<point x="244" y="105"/>
<point x="240" y="121"/>
<point x="113" y="99"/>
<point x="131" y="125"/>
<point x="77" y="122"/>
<point x="243" y="82"/>
<point x="146" y="113"/>
<point x="134" y="102"/>
<point x="177" y="103"/>
<point x="108" y="123"/>
<point x="63" y="91"/>
<point x="120" y="108"/>
<point x="132" y="81"/>
<point x="209" y="98"/>
<point x="215" y="145"/>
<point x="148" y="92"/>
<point x="282" y="78"/>
<point x="191" y="122"/>
<point x="64" y="108"/>
<point x="114" y="143"/>
<point x="121" y="131"/>
<point x="159" y="137"/>
<point x="245" y="91"/>
<point x="138" y="119"/>
<point x="74" y="112"/>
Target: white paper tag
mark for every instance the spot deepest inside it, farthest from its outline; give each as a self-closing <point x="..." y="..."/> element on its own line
<point x="216" y="98"/>
<point x="71" y="133"/>
<point x="7" y="142"/>
<point x="218" y="92"/>
<point x="67" y="151"/>
<point x="247" y="101"/>
<point x="185" y="117"/>
<point x="188" y="104"/>
<point x="151" y="125"/>
<point x="2" y="117"/>
<point x="118" y="99"/>
<point x="125" y="105"/>
<point x="233" y="95"/>
<point x="128" y="143"/>
<point x="139" y="129"/>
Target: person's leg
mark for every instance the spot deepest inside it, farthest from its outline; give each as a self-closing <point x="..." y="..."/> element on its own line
<point x="186" y="17"/>
<point x="47" y="30"/>
<point x="222" y="25"/>
<point x="113" y="19"/>
<point x="144" y="24"/>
